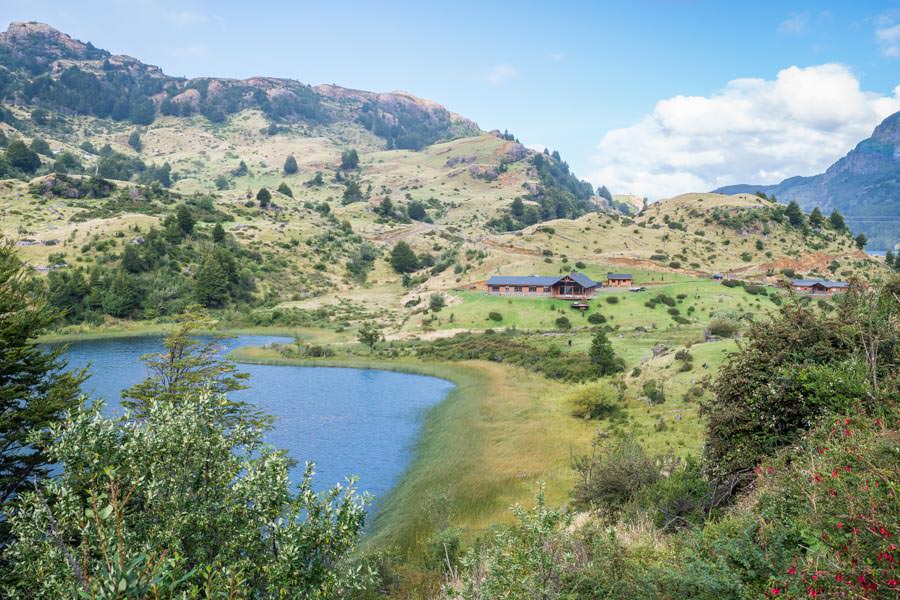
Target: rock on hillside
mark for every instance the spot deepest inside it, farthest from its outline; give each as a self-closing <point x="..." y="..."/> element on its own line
<point x="41" y="66"/>
<point x="864" y="186"/>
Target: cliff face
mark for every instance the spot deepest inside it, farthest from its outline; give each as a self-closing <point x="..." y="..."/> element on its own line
<point x="864" y="185"/>
<point x="40" y="65"/>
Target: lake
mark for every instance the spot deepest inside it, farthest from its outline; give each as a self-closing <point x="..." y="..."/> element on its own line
<point x="348" y="421"/>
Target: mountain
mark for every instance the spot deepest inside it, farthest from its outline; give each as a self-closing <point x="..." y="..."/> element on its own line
<point x="864" y="186"/>
<point x="45" y="67"/>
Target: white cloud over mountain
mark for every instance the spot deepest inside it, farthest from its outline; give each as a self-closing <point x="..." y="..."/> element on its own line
<point x="750" y="131"/>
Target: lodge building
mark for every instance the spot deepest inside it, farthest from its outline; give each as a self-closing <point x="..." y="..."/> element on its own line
<point x="574" y="286"/>
<point x="818" y="286"/>
<point x="619" y="279"/>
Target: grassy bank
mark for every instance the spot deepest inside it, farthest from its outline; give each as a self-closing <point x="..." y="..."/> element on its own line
<point x="499" y="434"/>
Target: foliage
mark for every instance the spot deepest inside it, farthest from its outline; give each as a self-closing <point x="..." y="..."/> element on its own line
<point x="20" y="157"/>
<point x="403" y="259"/>
<point x="370" y="334"/>
<point x="349" y="159"/>
<point x="179" y="503"/>
<point x="436" y="302"/>
<point x="35" y="388"/>
<point x="563" y="323"/>
<point x="263" y="196"/>
<point x="602" y="356"/>
<point x="290" y="165"/>
<point x="599" y="400"/>
<point x="283" y="188"/>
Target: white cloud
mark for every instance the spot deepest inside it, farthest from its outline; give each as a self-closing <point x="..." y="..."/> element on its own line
<point x="889" y="40"/>
<point x="751" y="131"/>
<point x="557" y="56"/>
<point x="500" y="74"/>
<point x="796" y="23"/>
<point x="184" y="18"/>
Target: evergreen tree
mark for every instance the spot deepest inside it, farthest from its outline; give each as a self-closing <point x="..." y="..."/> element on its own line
<point x="861" y="240"/>
<point x="403" y="259"/>
<point x="40" y="146"/>
<point x="218" y="233"/>
<point x="891" y="260"/>
<point x="186" y="219"/>
<point x="263" y="196"/>
<point x="385" y="208"/>
<point x="794" y="214"/>
<point x="416" y="211"/>
<point x="35" y="388"/>
<point x="20" y="157"/>
<point x="290" y="165"/>
<point x="836" y="220"/>
<point x="134" y="140"/>
<point x="212" y="282"/>
<point x="284" y="189"/>
<point x="349" y="159"/>
<point x="517" y="208"/>
<point x="132" y="261"/>
<point x="602" y="355"/>
<point x="816" y="218"/>
<point x="122" y="297"/>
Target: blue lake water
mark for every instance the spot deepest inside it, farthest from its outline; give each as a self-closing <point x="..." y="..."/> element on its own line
<point x="348" y="421"/>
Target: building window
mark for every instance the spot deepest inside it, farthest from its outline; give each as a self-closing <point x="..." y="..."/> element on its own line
<point x="546" y="290"/>
<point x="518" y="289"/>
<point x="532" y="290"/>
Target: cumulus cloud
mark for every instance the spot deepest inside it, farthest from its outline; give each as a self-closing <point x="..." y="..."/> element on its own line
<point x="500" y="74"/>
<point x="750" y="131"/>
<point x="889" y="40"/>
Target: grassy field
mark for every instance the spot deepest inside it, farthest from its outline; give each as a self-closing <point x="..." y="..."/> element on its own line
<point x="702" y="298"/>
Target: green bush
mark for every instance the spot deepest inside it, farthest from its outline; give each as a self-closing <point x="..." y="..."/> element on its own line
<point x="596" y="319"/>
<point x="563" y="324"/>
<point x="595" y="401"/>
<point x="612" y="299"/>
<point x="495" y="316"/>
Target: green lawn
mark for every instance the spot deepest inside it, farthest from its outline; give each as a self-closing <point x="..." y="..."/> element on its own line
<point x="702" y="299"/>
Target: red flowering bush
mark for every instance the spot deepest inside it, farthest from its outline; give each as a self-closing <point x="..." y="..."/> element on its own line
<point x="839" y="495"/>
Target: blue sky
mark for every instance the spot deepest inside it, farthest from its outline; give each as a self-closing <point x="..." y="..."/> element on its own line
<point x="580" y="77"/>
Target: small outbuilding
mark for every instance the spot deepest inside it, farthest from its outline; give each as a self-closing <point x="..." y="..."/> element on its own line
<point x="819" y="286"/>
<point x="619" y="279"/>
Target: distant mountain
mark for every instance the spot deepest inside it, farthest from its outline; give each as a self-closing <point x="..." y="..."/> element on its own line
<point x="864" y="186"/>
<point x="42" y="66"/>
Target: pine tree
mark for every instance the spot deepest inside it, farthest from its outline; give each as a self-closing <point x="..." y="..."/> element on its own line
<point x="816" y="218"/>
<point x="35" y="389"/>
<point x="212" y="282"/>
<point x="186" y="220"/>
<point x="349" y="159"/>
<point x="290" y="165"/>
<point x="602" y="355"/>
<point x="284" y="189"/>
<point x="263" y="196"/>
<point x="861" y="240"/>
<point x="20" y="157"/>
<point x="218" y="233"/>
<point x="794" y="214"/>
<point x="836" y="220"/>
<point x="403" y="259"/>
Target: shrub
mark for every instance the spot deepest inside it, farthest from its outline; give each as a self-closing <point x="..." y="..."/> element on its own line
<point x="653" y="391"/>
<point x="596" y="319"/>
<point x="722" y="327"/>
<point x="563" y="323"/>
<point x="732" y="283"/>
<point x="495" y="316"/>
<point x="594" y="401"/>
<point x="755" y="290"/>
<point x="612" y="299"/>
<point x="437" y="302"/>
<point x="602" y="356"/>
<point x="673" y="311"/>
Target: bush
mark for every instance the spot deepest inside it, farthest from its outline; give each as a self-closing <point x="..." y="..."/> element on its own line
<point x="437" y="302"/>
<point x="611" y="478"/>
<point x="595" y="401"/>
<point x="653" y="392"/>
<point x="563" y="324"/>
<point x="495" y="316"/>
<point x="723" y="328"/>
<point x="612" y="299"/>
<point x="596" y="319"/>
<point x="732" y="283"/>
<point x="755" y="290"/>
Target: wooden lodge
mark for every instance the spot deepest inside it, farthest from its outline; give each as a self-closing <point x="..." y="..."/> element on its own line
<point x="574" y="286"/>
<point x="619" y="279"/>
<point x="818" y="286"/>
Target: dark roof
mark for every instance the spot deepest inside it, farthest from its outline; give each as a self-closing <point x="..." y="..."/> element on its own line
<point x="521" y="280"/>
<point x="823" y="282"/>
<point x="619" y="276"/>
<point x="529" y="280"/>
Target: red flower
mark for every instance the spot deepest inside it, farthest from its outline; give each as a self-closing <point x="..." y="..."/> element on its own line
<point x="840" y="525"/>
<point x="792" y="570"/>
<point x="776" y="591"/>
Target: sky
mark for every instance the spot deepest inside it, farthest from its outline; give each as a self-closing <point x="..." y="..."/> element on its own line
<point x="654" y="97"/>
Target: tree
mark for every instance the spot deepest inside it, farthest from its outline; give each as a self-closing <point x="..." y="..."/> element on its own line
<point x="816" y="218"/>
<point x="890" y="260"/>
<point x="352" y="192"/>
<point x="177" y="503"/>
<point x="517" y="208"/>
<point x="40" y="146"/>
<point x="861" y="240"/>
<point x="369" y="335"/>
<point x="602" y="355"/>
<point x="35" y="388"/>
<point x="416" y="211"/>
<point x="134" y="140"/>
<point x="385" y="208"/>
<point x="186" y="219"/>
<point x="187" y="366"/>
<point x="212" y="287"/>
<point x="290" y="165"/>
<point x="403" y="259"/>
<point x="794" y="214"/>
<point x="263" y="196"/>
<point x="349" y="159"/>
<point x="836" y="220"/>
<point x="132" y="261"/>
<point x="436" y="302"/>
<point x="20" y="157"/>
<point x="284" y="189"/>
<point x="122" y="295"/>
<point x="218" y="233"/>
